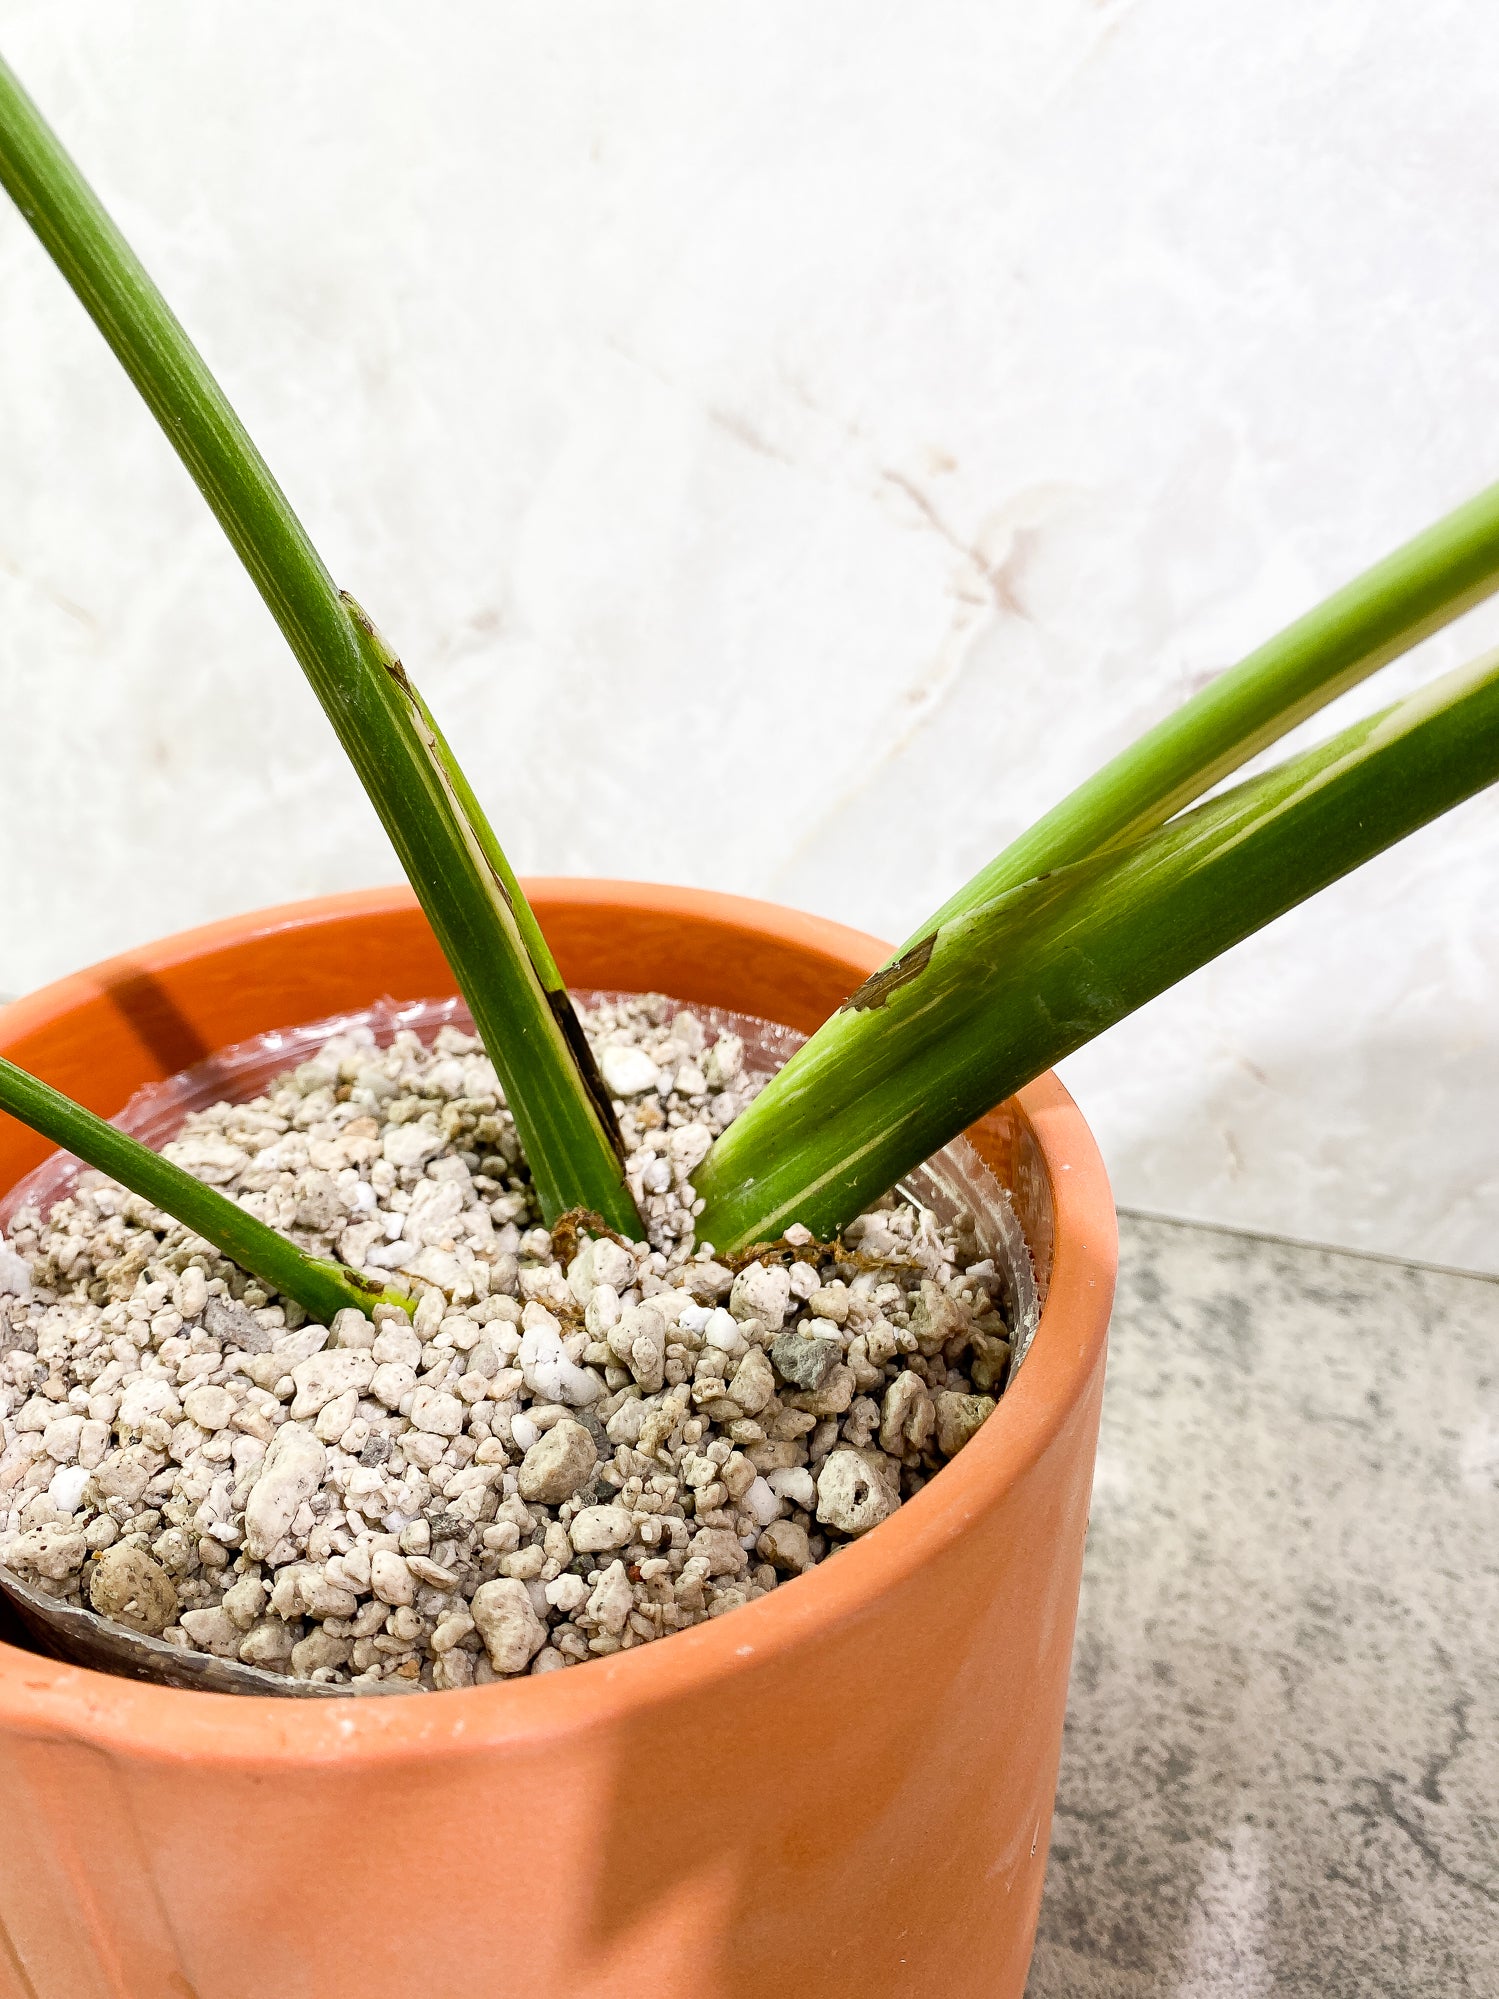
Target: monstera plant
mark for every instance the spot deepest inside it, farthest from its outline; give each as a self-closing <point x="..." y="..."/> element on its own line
<point x="1130" y="883"/>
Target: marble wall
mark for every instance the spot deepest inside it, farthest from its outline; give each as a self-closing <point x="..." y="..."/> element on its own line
<point x="790" y="446"/>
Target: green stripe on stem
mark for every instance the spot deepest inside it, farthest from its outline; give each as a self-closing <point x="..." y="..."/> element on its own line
<point x="1423" y="585"/>
<point x="320" y="1287"/>
<point x="1009" y="988"/>
<point x="487" y="933"/>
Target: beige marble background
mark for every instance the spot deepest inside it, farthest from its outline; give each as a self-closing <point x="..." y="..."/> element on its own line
<point x="790" y="446"/>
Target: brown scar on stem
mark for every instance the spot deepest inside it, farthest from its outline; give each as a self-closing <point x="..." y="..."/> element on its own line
<point x="499" y="881"/>
<point x="566" y="1016"/>
<point x="373" y="1289"/>
<point x="879" y="986"/>
<point x="388" y="659"/>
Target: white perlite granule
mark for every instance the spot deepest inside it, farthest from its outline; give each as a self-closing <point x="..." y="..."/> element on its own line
<point x="552" y="1462"/>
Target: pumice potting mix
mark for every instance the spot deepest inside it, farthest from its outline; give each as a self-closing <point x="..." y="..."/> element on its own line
<point x="579" y="1444"/>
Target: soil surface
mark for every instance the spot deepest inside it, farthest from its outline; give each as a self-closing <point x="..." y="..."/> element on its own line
<point x="577" y="1446"/>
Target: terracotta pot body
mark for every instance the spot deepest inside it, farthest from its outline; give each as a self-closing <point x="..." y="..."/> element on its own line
<point x="844" y="1788"/>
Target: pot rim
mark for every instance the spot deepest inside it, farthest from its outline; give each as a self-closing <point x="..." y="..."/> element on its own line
<point x="46" y="1697"/>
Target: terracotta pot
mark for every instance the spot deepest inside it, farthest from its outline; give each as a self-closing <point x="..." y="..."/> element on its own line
<point x="844" y="1788"/>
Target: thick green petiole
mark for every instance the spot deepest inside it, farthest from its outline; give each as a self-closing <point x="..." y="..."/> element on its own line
<point x="490" y="937"/>
<point x="488" y="934"/>
<point x="1423" y="585"/>
<point x="320" y="1287"/>
<point x="1008" y="988"/>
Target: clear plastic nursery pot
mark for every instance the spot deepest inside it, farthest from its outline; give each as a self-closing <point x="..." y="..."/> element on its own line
<point x="843" y="1788"/>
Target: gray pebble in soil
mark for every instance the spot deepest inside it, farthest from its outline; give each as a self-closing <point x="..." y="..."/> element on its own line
<point x="803" y="1363"/>
<point x="233" y="1325"/>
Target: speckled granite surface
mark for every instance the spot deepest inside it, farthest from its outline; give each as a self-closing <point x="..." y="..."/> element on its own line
<point x="1281" y="1771"/>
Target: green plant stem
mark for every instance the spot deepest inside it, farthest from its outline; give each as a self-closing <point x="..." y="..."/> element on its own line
<point x="1011" y="986"/>
<point x="320" y="1287"/>
<point x="487" y="931"/>
<point x="1422" y="586"/>
<point x="491" y="938"/>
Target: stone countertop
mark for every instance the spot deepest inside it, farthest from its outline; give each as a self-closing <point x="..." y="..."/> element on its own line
<point x="1281" y="1768"/>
